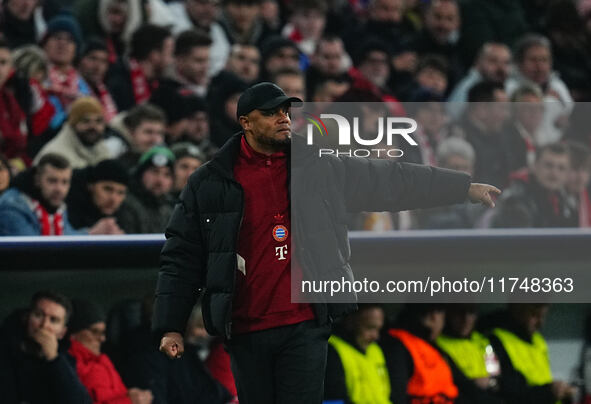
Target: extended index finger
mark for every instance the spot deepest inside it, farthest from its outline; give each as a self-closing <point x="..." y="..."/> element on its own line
<point x="494" y="190"/>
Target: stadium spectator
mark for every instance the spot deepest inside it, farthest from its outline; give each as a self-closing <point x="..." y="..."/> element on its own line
<point x="33" y="368"/>
<point x="81" y="139"/>
<point x="441" y="34"/>
<point x="5" y="174"/>
<point x="278" y="53"/>
<point x="307" y="19"/>
<point x="431" y="78"/>
<point x="578" y="186"/>
<point x="356" y="368"/>
<point x="242" y="22"/>
<point x="470" y="351"/>
<point x="456" y="154"/>
<point x="271" y="15"/>
<point x="493" y="63"/>
<point x="149" y="204"/>
<point x="177" y="103"/>
<point x="113" y="21"/>
<point x="536" y="198"/>
<point x="191" y="61"/>
<point x="483" y="21"/>
<point x="186" y="381"/>
<point x="87" y="330"/>
<point x="329" y="57"/>
<point x="34" y="205"/>
<point x="93" y="65"/>
<point x="329" y="89"/>
<point x="292" y="81"/>
<point x="418" y="371"/>
<point x="62" y="44"/>
<point x="329" y="60"/>
<point x="22" y="22"/>
<point x="218" y="365"/>
<point x="97" y="192"/>
<point x="482" y="125"/>
<point x="202" y="15"/>
<point x="523" y="128"/>
<point x="131" y="80"/>
<point x="432" y="75"/>
<point x="515" y="334"/>
<point x="136" y="131"/>
<point x="386" y="20"/>
<point x="244" y="61"/>
<point x="13" y="130"/>
<point x="570" y="47"/>
<point x="372" y="67"/>
<point x="222" y="109"/>
<point x="198" y="132"/>
<point x="27" y="110"/>
<point x="429" y="113"/>
<point x="188" y="158"/>
<point x="226" y="87"/>
<point x="533" y="58"/>
<point x="32" y="62"/>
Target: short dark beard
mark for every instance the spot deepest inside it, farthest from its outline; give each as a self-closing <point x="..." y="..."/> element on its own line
<point x="36" y="194"/>
<point x="84" y="141"/>
<point x="274" y="144"/>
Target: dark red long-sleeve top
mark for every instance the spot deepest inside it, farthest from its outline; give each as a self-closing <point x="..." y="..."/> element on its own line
<point x="263" y="294"/>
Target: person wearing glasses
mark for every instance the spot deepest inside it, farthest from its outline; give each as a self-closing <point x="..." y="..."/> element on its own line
<point x="95" y="369"/>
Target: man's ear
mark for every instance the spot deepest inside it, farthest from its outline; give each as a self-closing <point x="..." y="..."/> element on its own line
<point x="244" y="122"/>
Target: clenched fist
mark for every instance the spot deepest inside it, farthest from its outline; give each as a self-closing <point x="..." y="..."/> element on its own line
<point x="172" y="345"/>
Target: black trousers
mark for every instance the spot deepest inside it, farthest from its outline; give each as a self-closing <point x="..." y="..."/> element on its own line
<point x="282" y="365"/>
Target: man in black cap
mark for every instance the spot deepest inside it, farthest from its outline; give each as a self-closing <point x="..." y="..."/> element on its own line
<point x="230" y="236"/>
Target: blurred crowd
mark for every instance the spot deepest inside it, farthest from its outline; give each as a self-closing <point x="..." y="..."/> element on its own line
<point x="73" y="351"/>
<point x="108" y="105"/>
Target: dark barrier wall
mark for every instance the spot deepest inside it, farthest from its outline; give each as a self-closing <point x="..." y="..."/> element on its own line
<point x="112" y="268"/>
<point x="425" y="247"/>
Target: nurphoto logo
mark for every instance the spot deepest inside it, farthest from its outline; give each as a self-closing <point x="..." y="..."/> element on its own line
<point x="388" y="129"/>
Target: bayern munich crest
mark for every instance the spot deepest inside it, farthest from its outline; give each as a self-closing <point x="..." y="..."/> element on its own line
<point x="280" y="233"/>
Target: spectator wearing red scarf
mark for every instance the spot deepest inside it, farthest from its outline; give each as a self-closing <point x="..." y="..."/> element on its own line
<point x="132" y="80"/>
<point x="62" y="43"/>
<point x="34" y="205"/>
<point x="93" y="66"/>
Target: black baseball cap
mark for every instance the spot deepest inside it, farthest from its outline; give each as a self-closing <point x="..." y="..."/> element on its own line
<point x="263" y="96"/>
